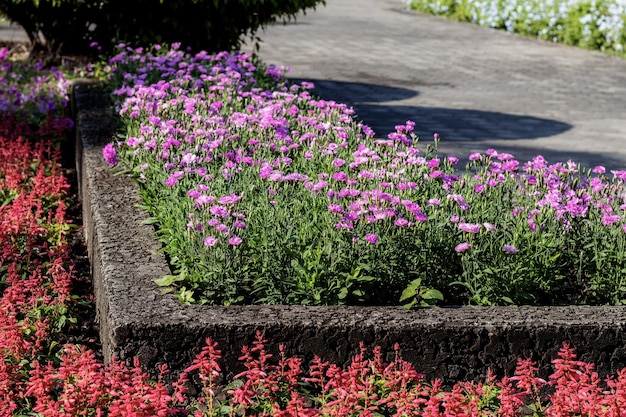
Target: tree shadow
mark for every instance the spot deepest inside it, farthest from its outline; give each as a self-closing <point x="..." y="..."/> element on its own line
<point x="373" y="104"/>
<point x="382" y="107"/>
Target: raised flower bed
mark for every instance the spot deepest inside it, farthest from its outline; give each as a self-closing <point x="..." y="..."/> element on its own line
<point x="137" y="320"/>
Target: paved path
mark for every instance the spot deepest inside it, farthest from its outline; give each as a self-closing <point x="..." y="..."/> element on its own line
<point x="12" y="32"/>
<point x="476" y="87"/>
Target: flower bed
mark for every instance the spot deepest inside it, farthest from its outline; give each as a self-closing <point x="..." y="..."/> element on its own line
<point x="598" y="25"/>
<point x="39" y="375"/>
<point x="262" y="194"/>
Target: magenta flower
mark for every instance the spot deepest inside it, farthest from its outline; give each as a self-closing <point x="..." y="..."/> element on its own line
<point x="219" y="211"/>
<point x="620" y="175"/>
<point x="509" y="249"/>
<point x="210" y="241"/>
<point x="335" y="208"/>
<point x="462" y="247"/>
<point x="489" y="227"/>
<point x="608" y="220"/>
<point x="469" y="227"/>
<point x="235" y="240"/>
<point x="401" y="222"/>
<point x="222" y="228"/>
<point x="599" y="169"/>
<point x="229" y="199"/>
<point x="371" y="238"/>
<point x="110" y="154"/>
<point x="433" y="202"/>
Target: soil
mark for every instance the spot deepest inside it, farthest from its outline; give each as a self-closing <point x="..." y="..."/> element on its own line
<point x="86" y="330"/>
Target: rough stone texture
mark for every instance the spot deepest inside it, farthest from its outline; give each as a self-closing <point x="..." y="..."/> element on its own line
<point x="451" y="343"/>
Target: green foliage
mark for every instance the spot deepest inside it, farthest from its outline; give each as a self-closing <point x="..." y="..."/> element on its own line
<point x="70" y="26"/>
<point x="597" y="24"/>
<point x="416" y="294"/>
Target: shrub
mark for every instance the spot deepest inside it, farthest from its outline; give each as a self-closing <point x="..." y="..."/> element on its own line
<point x="70" y="26"/>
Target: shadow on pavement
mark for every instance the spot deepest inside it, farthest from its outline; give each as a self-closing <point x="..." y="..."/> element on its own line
<point x="373" y="104"/>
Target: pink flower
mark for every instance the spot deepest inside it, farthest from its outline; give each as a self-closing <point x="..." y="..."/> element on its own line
<point x="608" y="220"/>
<point x="469" y="227"/>
<point x="509" y="249"/>
<point x="599" y="169"/>
<point x="110" y="154"/>
<point x="371" y="238"/>
<point x="401" y="222"/>
<point x="235" y="240"/>
<point x="210" y="241"/>
<point x="335" y="208"/>
<point x="229" y="199"/>
<point x="489" y="226"/>
<point x="462" y="247"/>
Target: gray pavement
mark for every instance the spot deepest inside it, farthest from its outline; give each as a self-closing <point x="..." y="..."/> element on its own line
<point x="477" y="87"/>
<point x="12" y="33"/>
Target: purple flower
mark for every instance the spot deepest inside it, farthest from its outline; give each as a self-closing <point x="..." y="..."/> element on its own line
<point x="509" y="249"/>
<point x="401" y="222"/>
<point x="218" y="211"/>
<point x="229" y="199"/>
<point x="621" y="175"/>
<point x="110" y="154"/>
<point x="469" y="227"/>
<point x="371" y="238"/>
<point x="173" y="178"/>
<point x="433" y="202"/>
<point x="335" y="208"/>
<point x="462" y="247"/>
<point x="235" y="240"/>
<point x="608" y="220"/>
<point x="489" y="226"/>
<point x="599" y="169"/>
<point x="210" y="241"/>
<point x="222" y="228"/>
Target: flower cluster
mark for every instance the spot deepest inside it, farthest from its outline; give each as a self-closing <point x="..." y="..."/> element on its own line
<point x="596" y="25"/>
<point x="369" y="386"/>
<point x="33" y="99"/>
<point x="263" y="193"/>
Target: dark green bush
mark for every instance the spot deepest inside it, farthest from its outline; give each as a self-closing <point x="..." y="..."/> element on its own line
<point x="68" y="27"/>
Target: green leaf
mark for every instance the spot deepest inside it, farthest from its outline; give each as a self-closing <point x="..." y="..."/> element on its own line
<point x="408" y="292"/>
<point x="168" y="280"/>
<point x="432" y="294"/>
<point x="343" y="293"/>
